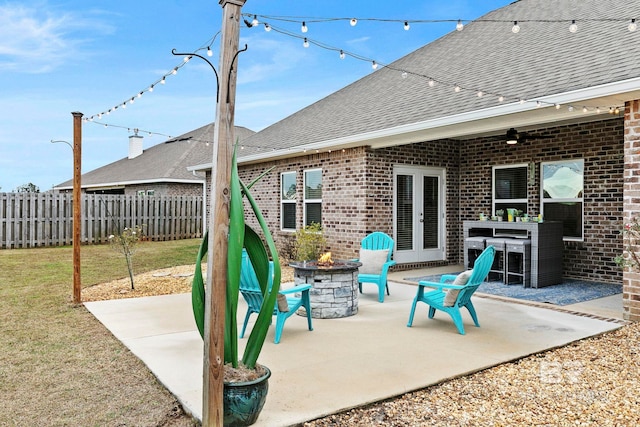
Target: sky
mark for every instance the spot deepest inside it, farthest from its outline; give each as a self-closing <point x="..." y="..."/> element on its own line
<point x="59" y="57"/>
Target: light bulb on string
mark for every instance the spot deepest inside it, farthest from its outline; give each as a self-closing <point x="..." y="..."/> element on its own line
<point x="353" y="22"/>
<point x="538" y="104"/>
<point x="480" y="94"/>
<point x="584" y="109"/>
<point x="573" y="28"/>
<point x="140" y="95"/>
<point x="616" y="110"/>
<point x="174" y="71"/>
<point x="404" y="74"/>
<point x="164" y="80"/>
<point x="124" y="105"/>
<point x="570" y="108"/>
<point x="209" y="51"/>
<point x="305" y="43"/>
<point x="304" y="27"/>
<point x="132" y="100"/>
<point x="459" y="25"/>
<point x="456" y="88"/>
<point x="151" y="88"/>
<point x="431" y="83"/>
<point x="342" y="55"/>
<point x="406" y="25"/>
<point x="557" y="106"/>
<point x="500" y="98"/>
<point x="267" y="27"/>
<point x="516" y="28"/>
<point x="374" y="65"/>
<point x="597" y="110"/>
<point x="632" y="25"/>
<point x="255" y="21"/>
<point x="187" y="59"/>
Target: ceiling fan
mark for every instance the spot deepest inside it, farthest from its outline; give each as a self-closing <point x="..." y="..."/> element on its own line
<point x="514" y="137"/>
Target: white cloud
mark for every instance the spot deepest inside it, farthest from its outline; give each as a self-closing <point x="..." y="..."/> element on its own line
<point x="37" y="40"/>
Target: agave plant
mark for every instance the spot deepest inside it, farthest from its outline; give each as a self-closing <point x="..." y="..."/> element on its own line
<point x="241" y="236"/>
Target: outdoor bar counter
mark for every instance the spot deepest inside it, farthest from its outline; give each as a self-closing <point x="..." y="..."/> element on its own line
<point x="546" y="245"/>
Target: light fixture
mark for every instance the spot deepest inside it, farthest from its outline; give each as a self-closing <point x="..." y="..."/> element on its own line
<point x="516" y="28"/>
<point x="353" y="22"/>
<point x="538" y="104"/>
<point x="164" y="80"/>
<point x="616" y="110"/>
<point x="174" y="71"/>
<point x="305" y="43"/>
<point x="304" y="28"/>
<point x="573" y="27"/>
<point x="632" y="25"/>
<point x="267" y="27"/>
<point x="406" y="25"/>
<point x="459" y="25"/>
<point x="140" y="95"/>
<point x="456" y="88"/>
<point x="570" y="108"/>
<point x="404" y="74"/>
<point x="512" y="136"/>
<point x="209" y="51"/>
<point x="584" y="109"/>
<point x="255" y="21"/>
<point x="557" y="106"/>
<point x="342" y="55"/>
<point x="187" y="58"/>
<point x="480" y="94"/>
<point x="432" y="83"/>
<point x="151" y="88"/>
<point x="374" y="65"/>
<point x="597" y="110"/>
<point x="500" y="98"/>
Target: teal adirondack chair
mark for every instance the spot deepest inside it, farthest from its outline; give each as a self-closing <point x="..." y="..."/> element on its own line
<point x="250" y="290"/>
<point x="374" y="242"/>
<point x="436" y="299"/>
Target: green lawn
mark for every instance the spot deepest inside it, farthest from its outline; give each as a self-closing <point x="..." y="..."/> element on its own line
<point x="58" y="364"/>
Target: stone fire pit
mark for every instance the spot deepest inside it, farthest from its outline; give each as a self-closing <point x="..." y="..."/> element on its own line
<point x="334" y="288"/>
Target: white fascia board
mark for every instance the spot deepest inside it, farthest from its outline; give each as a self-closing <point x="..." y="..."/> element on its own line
<point x="142" y="181"/>
<point x="394" y="135"/>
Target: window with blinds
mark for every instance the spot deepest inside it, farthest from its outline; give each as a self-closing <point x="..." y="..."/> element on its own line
<point x="288" y="201"/>
<point x="510" y="187"/>
<point x="312" y="196"/>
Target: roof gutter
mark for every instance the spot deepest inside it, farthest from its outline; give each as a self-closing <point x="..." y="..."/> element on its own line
<point x="484" y="121"/>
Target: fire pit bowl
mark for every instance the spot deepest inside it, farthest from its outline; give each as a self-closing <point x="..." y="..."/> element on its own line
<point x="334" y="287"/>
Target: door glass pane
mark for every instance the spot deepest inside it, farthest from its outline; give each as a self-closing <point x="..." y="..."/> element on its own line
<point x="404" y="212"/>
<point x="430" y="209"/>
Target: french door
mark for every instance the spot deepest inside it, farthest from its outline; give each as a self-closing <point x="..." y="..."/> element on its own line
<point x="418" y="214"/>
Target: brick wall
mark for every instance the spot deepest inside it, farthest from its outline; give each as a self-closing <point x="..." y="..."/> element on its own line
<point x="600" y="144"/>
<point x="358" y="189"/>
<point x="631" y="282"/>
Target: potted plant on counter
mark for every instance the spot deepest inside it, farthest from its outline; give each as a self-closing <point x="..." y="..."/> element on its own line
<point x="245" y="381"/>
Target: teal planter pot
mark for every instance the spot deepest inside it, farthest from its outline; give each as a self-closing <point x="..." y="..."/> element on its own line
<point x="243" y="401"/>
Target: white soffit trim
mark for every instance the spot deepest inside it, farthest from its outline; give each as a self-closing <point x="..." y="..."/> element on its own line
<point x="476" y="122"/>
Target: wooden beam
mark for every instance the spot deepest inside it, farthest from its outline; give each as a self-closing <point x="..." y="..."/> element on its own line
<point x="212" y="408"/>
<point x="77" y="205"/>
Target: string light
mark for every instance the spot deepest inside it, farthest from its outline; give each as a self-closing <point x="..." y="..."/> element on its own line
<point x="431" y="83"/>
<point x="209" y="51"/>
<point x="305" y="43"/>
<point x="500" y="98"/>
<point x="353" y="22"/>
<point x="632" y="25"/>
<point x="255" y="21"/>
<point x="573" y="28"/>
<point x="374" y="65"/>
<point x="130" y="129"/>
<point x="459" y="25"/>
<point x="480" y="94"/>
<point x="456" y="88"/>
<point x="342" y="55"/>
<point x="304" y="28"/>
<point x="267" y="27"/>
<point x="406" y="25"/>
<point x="404" y="74"/>
<point x="516" y="28"/>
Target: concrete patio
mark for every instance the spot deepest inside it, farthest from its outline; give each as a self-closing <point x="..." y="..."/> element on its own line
<point x="348" y="362"/>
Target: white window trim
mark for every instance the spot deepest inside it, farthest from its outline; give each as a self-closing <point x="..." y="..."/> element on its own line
<point x="287" y="201"/>
<point x="493" y="186"/>
<point x="578" y="200"/>
<point x="305" y="201"/>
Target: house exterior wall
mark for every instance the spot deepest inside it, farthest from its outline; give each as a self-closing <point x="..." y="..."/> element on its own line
<point x="358" y="190"/>
<point x="166" y="189"/>
<point x="631" y="282"/>
<point x="600" y="144"/>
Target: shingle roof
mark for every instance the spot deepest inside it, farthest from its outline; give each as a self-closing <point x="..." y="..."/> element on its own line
<point x="164" y="162"/>
<point x="544" y="58"/>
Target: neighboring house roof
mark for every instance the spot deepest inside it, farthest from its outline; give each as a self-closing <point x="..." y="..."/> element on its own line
<point x="164" y="162"/>
<point x="598" y="66"/>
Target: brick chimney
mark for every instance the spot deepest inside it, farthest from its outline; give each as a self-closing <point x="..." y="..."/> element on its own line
<point x="135" y="145"/>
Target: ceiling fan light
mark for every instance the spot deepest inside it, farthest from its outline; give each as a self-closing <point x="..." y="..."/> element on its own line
<point x="512" y="136"/>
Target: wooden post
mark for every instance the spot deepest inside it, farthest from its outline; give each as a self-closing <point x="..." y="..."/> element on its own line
<point x="212" y="408"/>
<point x="77" y="205"/>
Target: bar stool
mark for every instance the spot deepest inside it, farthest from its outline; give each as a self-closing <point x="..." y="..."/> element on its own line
<point x="518" y="262"/>
<point x="498" y="268"/>
<point x="473" y="247"/>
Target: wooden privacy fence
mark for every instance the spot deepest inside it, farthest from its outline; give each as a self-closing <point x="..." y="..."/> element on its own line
<point x="45" y="219"/>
